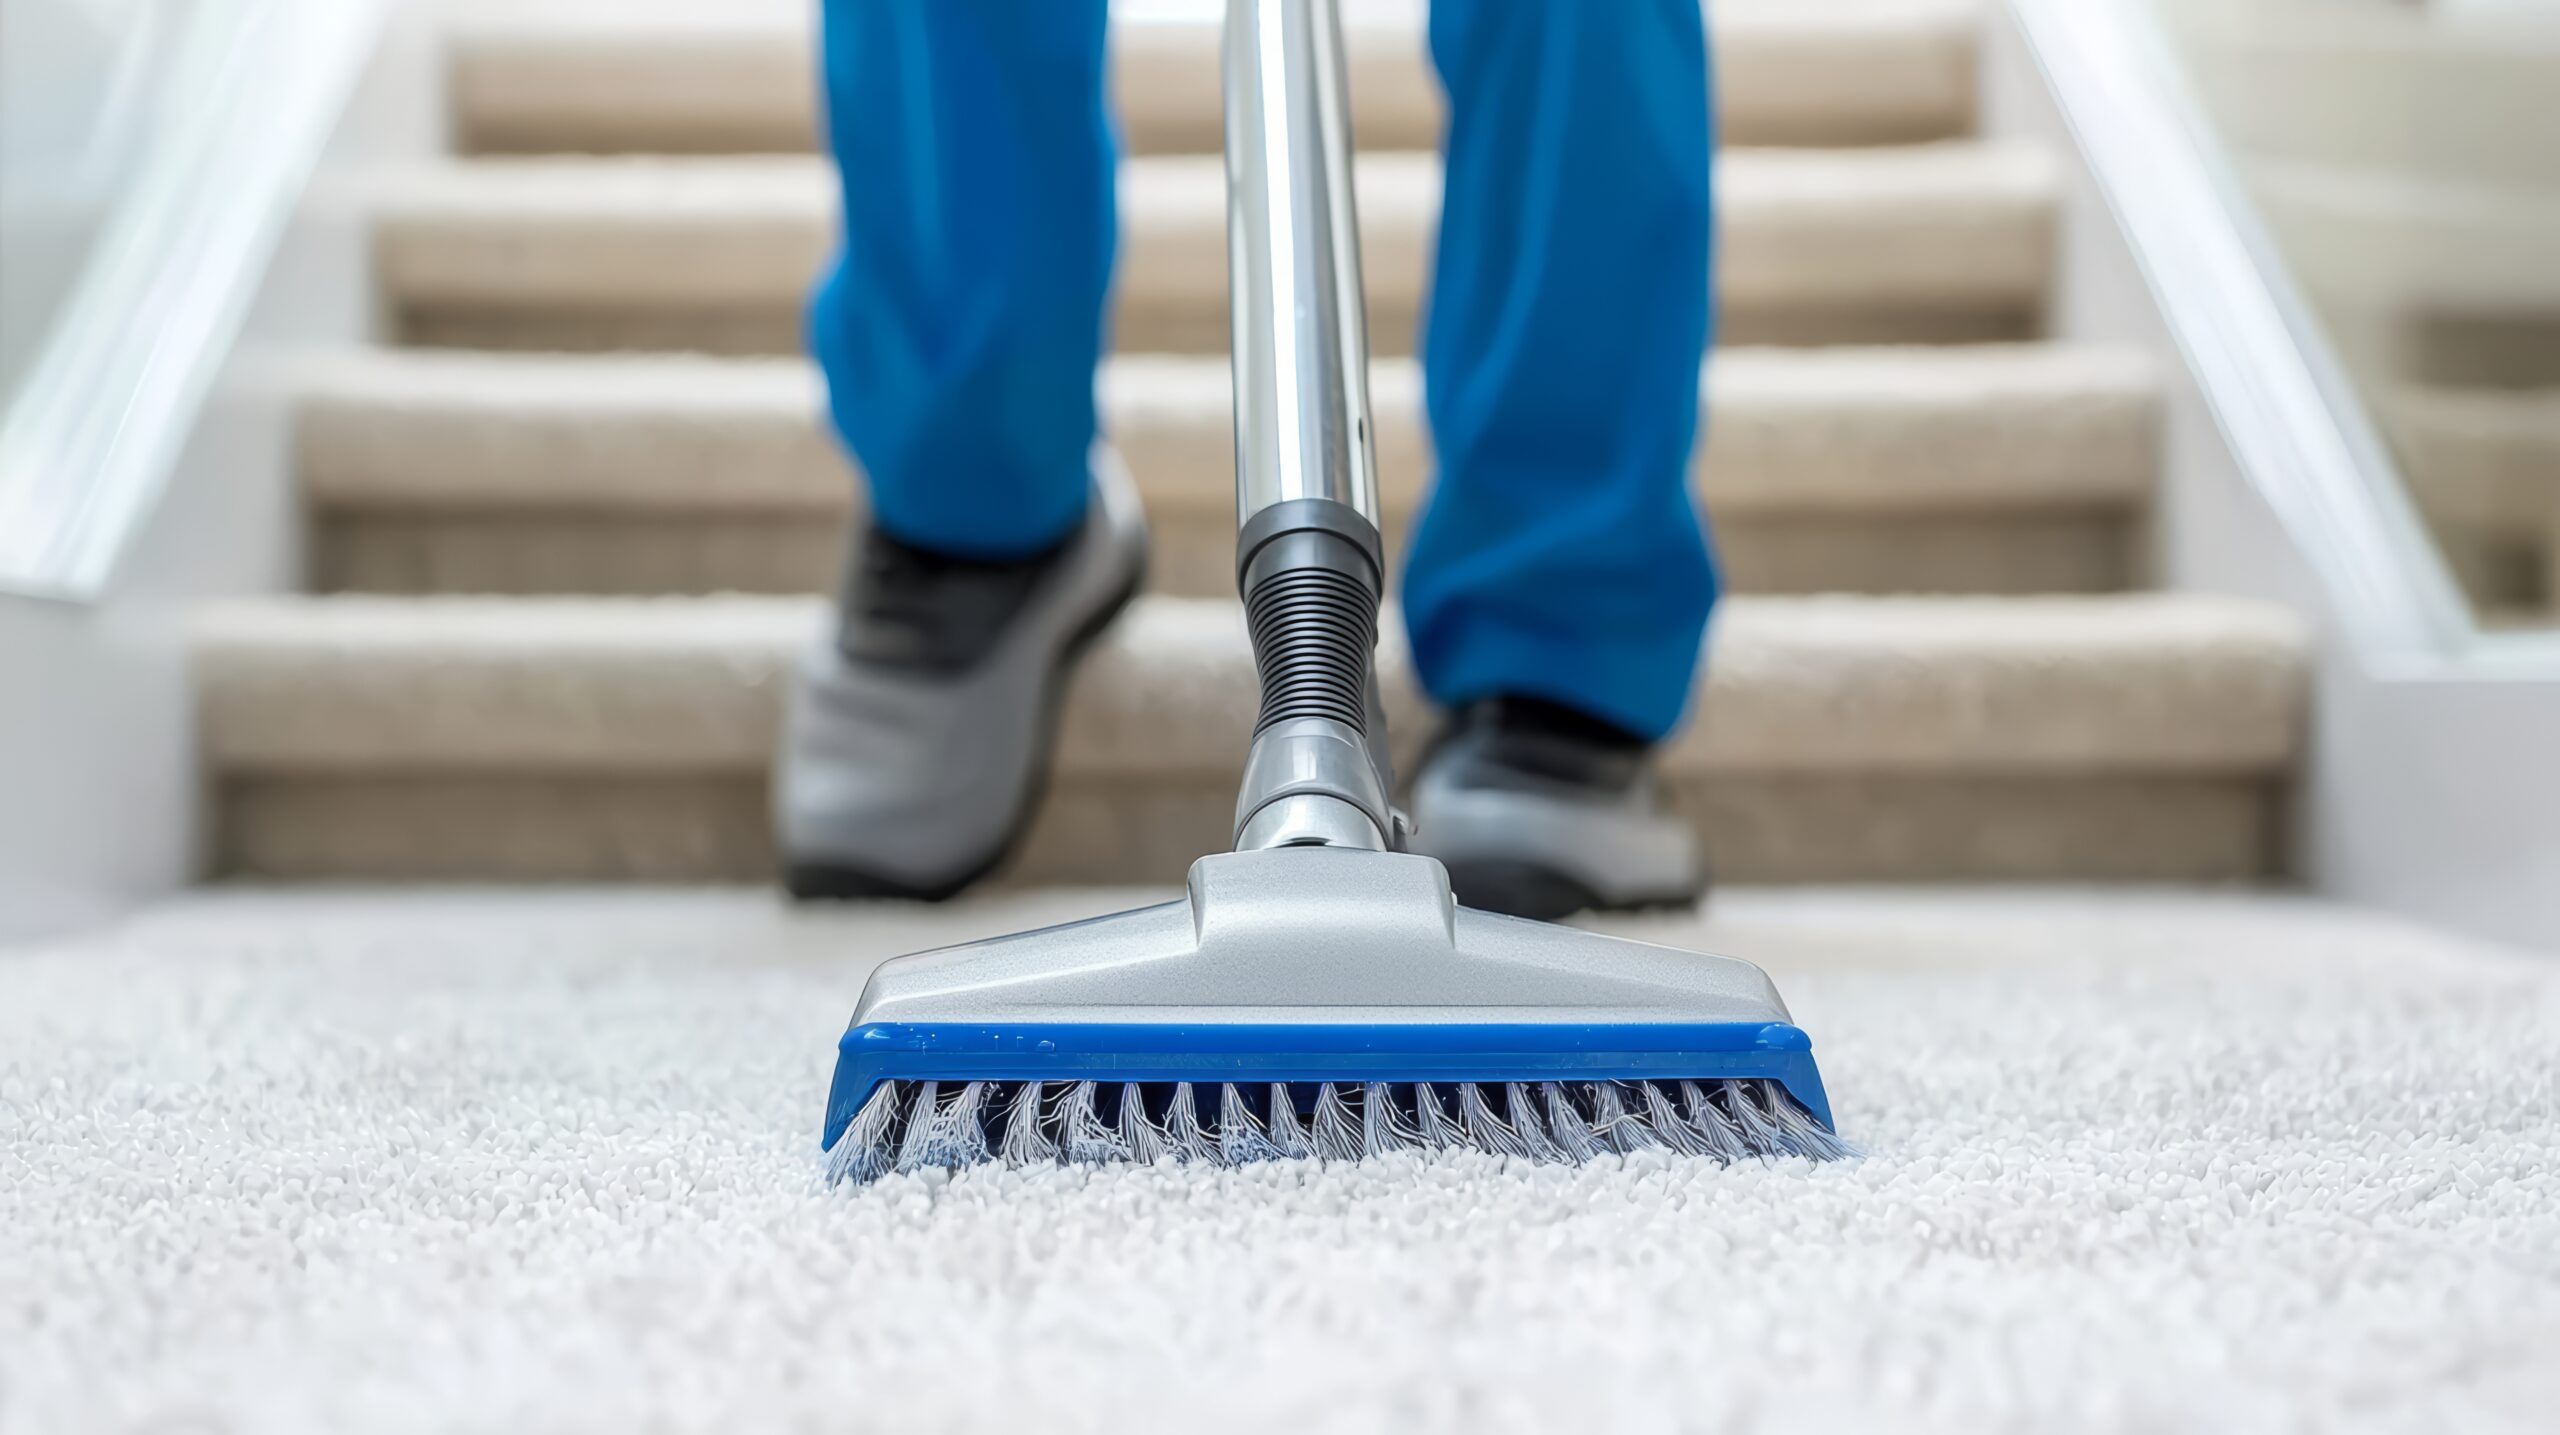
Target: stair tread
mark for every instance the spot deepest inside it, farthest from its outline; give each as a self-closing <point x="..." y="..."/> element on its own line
<point x="2164" y="683"/>
<point x="1902" y="429"/>
<point x="625" y="76"/>
<point x="1955" y="224"/>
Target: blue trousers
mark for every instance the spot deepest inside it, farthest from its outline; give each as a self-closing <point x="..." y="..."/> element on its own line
<point x="1560" y="554"/>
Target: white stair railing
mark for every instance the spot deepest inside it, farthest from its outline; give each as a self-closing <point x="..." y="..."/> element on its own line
<point x="226" y="108"/>
<point x="2294" y="424"/>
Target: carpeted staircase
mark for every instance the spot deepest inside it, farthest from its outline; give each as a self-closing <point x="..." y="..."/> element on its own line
<point x="567" y="524"/>
<point x="456" y="1158"/>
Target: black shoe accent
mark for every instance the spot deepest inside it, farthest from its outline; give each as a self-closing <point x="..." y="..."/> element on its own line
<point x="1527" y="744"/>
<point x="826" y="882"/>
<point x="1539" y="716"/>
<point x="1542" y="894"/>
<point x="916" y="610"/>
<point x="1519" y="889"/>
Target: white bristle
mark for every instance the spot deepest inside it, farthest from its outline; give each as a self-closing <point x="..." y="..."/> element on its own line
<point x="1571" y="1133"/>
<point x="1026" y="1139"/>
<point x="1182" y="1129"/>
<point x="1524" y="1120"/>
<point x="1383" y="1127"/>
<point x="1618" y="1128"/>
<point x="1337" y="1131"/>
<point x="1667" y="1123"/>
<point x="1763" y="1135"/>
<point x="1240" y="1138"/>
<point x="1287" y="1132"/>
<point x="959" y="1137"/>
<point x="1809" y="1138"/>
<point x="1081" y="1131"/>
<point x="1486" y="1131"/>
<point x="1724" y="1142"/>
<point x="1431" y="1119"/>
<point x="863" y="1151"/>
<point x="948" y="1124"/>
<point x="1144" y="1138"/>
<point x="915" y="1153"/>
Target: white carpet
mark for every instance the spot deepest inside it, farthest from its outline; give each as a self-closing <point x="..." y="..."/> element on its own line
<point x="540" y="1162"/>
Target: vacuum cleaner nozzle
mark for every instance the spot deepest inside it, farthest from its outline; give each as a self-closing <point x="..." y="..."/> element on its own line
<point x="1317" y="1001"/>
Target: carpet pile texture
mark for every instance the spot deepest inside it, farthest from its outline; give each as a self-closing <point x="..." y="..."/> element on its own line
<point x="546" y="1161"/>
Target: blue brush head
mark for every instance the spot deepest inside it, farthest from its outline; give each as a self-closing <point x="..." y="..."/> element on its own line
<point x="1330" y="989"/>
<point x="1315" y="1054"/>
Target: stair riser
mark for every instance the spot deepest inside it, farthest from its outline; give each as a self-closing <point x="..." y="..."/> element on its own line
<point x="514" y="551"/>
<point x="1757" y="829"/>
<point x="1776" y="84"/>
<point x="2513" y="349"/>
<point x="1931" y="244"/>
<point x="1141" y="328"/>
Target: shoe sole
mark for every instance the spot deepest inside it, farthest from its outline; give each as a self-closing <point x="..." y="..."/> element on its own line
<point x="837" y="882"/>
<point x="1542" y="894"/>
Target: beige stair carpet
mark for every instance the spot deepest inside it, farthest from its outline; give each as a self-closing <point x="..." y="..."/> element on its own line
<point x="1941" y="241"/>
<point x="672" y="76"/>
<point x="1991" y="468"/>
<point x="2140" y="736"/>
<point x="2483" y="465"/>
<point x="547" y="1163"/>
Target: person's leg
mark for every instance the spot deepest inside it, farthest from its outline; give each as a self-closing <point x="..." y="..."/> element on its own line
<point x="1559" y="583"/>
<point x="958" y="329"/>
<point x="1561" y="555"/>
<point x="960" y="322"/>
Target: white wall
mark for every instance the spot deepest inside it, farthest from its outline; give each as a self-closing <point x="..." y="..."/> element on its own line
<point x="96" y="736"/>
<point x="99" y="786"/>
<point x="2437" y="792"/>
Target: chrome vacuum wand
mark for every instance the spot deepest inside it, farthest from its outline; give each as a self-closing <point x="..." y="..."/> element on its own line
<point x="1309" y="561"/>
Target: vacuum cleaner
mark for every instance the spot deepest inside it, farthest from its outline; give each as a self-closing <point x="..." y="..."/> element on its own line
<point x="1316" y="993"/>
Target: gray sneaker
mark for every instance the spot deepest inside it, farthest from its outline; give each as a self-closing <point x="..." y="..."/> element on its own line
<point x="1539" y="811"/>
<point x="918" y="737"/>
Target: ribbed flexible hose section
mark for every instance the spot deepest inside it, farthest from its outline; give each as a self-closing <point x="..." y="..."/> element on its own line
<point x="1314" y="630"/>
